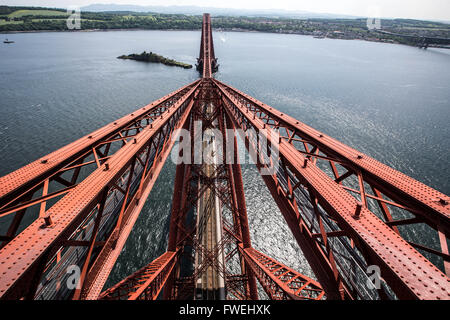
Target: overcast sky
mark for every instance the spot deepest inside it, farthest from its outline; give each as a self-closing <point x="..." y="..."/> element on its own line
<point x="417" y="9"/>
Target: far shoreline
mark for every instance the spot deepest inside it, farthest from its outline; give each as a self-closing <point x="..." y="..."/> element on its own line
<point x="199" y="30"/>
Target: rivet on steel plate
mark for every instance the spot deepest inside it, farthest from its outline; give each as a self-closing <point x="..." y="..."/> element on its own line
<point x="44" y="161"/>
<point x="134" y="140"/>
<point x="106" y="167"/>
<point x="359" y="156"/>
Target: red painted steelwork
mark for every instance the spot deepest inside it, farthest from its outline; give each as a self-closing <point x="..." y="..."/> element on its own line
<point x="146" y="283"/>
<point x="281" y="282"/>
<point x="112" y="249"/>
<point x="392" y="192"/>
<point x="421" y="199"/>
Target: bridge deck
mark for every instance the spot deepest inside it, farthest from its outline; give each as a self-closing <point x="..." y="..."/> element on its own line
<point x="210" y="284"/>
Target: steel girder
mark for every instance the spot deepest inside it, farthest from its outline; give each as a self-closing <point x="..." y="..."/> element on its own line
<point x="193" y="182"/>
<point x="107" y="257"/>
<point x="391" y="187"/>
<point x="236" y="185"/>
<point x="226" y="184"/>
<point x="342" y="233"/>
<point x="80" y="224"/>
<point x="278" y="281"/>
<point x="146" y="283"/>
<point x="205" y="182"/>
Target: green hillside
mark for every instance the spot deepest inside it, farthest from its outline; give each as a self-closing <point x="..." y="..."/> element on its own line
<point x="45" y="13"/>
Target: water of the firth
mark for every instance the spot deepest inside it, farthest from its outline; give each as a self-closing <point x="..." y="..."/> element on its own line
<point x="391" y="102"/>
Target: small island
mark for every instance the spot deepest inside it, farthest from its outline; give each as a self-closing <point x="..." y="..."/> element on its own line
<point x="153" y="57"/>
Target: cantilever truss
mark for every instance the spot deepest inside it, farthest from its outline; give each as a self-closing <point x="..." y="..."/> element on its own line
<point x="347" y="211"/>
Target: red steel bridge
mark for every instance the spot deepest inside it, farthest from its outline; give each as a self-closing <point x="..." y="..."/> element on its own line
<point x="75" y="208"/>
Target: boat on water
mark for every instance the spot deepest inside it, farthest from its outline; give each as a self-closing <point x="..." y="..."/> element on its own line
<point x="8" y="41"/>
